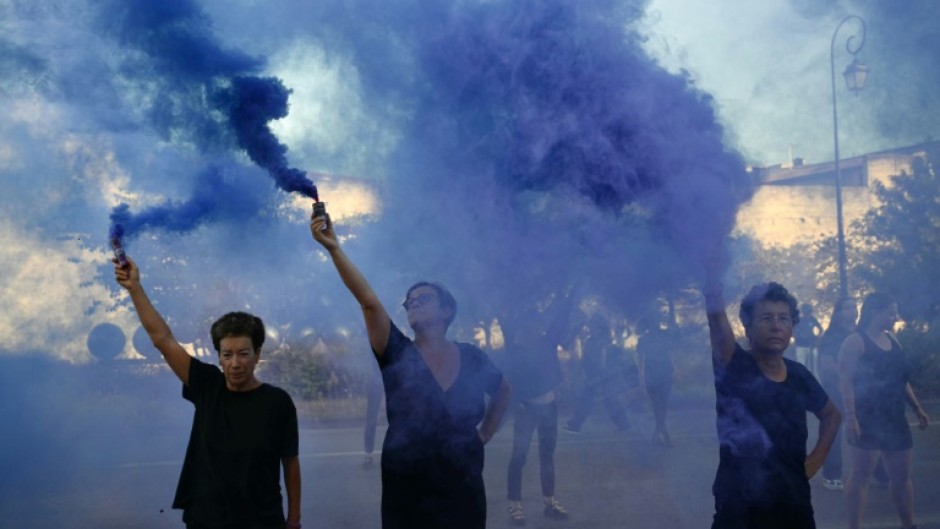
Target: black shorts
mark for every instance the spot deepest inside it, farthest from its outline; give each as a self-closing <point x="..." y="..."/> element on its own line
<point x="891" y="434"/>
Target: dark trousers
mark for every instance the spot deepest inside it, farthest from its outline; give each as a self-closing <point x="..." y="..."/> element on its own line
<point x="529" y="418"/>
<point x="615" y="408"/>
<point x="658" y="392"/>
<point x="740" y="515"/>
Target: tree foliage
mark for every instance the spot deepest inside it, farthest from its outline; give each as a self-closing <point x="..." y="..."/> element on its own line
<point x="901" y="238"/>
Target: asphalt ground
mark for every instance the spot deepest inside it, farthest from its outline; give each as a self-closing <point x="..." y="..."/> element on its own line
<point x="604" y="479"/>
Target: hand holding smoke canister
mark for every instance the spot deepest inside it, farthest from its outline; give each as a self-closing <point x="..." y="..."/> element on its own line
<point x="114" y="235"/>
<point x="119" y="251"/>
<point x="319" y="210"/>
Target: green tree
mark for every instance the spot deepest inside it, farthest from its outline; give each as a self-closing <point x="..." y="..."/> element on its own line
<point x="901" y="239"/>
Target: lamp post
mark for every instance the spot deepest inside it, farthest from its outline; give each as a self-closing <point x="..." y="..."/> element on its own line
<point x="855" y="75"/>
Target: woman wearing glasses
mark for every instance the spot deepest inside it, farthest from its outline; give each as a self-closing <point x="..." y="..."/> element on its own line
<point x="435" y="389"/>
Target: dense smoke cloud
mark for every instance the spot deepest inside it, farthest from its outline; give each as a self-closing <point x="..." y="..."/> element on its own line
<point x="202" y="91"/>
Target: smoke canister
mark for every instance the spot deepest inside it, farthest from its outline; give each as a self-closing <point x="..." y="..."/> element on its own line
<point x="319" y="210"/>
<point x="118" y="250"/>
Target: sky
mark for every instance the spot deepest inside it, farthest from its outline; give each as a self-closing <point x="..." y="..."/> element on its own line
<point x="527" y="129"/>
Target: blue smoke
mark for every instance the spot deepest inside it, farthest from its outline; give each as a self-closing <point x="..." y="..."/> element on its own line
<point x="193" y="80"/>
<point x="545" y="118"/>
<point x="213" y="199"/>
<point x="542" y="131"/>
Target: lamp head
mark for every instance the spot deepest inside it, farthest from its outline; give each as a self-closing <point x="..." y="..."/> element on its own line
<point x="855" y="75"/>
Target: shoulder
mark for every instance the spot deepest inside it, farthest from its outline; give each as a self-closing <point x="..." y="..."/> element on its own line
<point x="797" y="370"/>
<point x="276" y="392"/>
<point x="741" y="356"/>
<point x="204" y="380"/>
<point x="203" y="371"/>
<point x="854" y="342"/>
<point x="894" y="340"/>
<point x="471" y="351"/>
<point x="740" y="361"/>
<point x="397" y="342"/>
<point x="475" y="357"/>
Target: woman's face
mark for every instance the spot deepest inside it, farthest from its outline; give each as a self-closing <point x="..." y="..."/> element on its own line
<point x="886" y="318"/>
<point x="424" y="307"/>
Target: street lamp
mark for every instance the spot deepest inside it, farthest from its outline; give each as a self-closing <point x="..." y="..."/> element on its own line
<point x="855" y="75"/>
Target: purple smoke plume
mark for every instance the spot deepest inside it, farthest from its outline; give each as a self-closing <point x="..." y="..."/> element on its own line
<point x="194" y="79"/>
<point x="250" y="103"/>
<point x="212" y="199"/>
<point x="545" y="127"/>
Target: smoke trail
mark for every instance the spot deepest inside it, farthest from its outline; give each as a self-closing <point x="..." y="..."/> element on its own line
<point x="250" y="103"/>
<point x="213" y="199"/>
<point x="194" y="80"/>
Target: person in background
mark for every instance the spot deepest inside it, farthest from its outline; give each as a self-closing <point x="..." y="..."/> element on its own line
<point x="875" y="378"/>
<point x="841" y="325"/>
<point x="435" y="400"/>
<point x="535" y="373"/>
<point x="653" y="349"/>
<point x="805" y="335"/>
<point x="244" y="431"/>
<point x="603" y="370"/>
<point x="762" y="399"/>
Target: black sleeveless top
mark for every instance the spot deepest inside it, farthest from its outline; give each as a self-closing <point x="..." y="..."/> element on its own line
<point x="880" y="383"/>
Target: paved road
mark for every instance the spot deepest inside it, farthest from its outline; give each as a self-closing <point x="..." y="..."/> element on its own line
<point x="605" y="480"/>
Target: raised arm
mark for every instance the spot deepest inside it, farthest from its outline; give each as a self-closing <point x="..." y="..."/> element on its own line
<point x="719" y="329"/>
<point x="849" y="352"/>
<point x="378" y="324"/>
<point x="157" y="329"/>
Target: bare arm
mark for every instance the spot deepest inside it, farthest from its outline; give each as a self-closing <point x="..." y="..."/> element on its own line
<point x="495" y="410"/>
<point x="157" y="329"/>
<point x="923" y="420"/>
<point x="378" y="324"/>
<point x="829" y="419"/>
<point x="719" y="329"/>
<point x="292" y="485"/>
<point x="849" y="352"/>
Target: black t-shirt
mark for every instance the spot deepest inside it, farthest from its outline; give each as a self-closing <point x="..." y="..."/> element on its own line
<point x="232" y="469"/>
<point x="762" y="430"/>
<point x="880" y="386"/>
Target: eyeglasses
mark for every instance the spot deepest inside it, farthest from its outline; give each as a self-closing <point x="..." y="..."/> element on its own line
<point x="767" y="320"/>
<point x="418" y="301"/>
